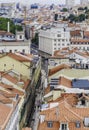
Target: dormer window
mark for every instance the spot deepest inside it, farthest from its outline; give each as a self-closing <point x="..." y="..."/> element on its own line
<point x="64" y="126"/>
<point x="77" y="124"/>
<point x="49" y="124"/>
<point x="86" y="122"/>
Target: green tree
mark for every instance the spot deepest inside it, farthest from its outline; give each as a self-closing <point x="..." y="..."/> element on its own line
<point x="82" y="17"/>
<point x="86" y="8"/>
<point x="71" y="17"/>
<point x="13" y="27"/>
<point x="80" y="8"/>
<point x="64" y="10"/>
<point x="35" y="40"/>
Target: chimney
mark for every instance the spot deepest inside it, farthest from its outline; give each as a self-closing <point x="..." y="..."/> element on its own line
<point x="8" y="27"/>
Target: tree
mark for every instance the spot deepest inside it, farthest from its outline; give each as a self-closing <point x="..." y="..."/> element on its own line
<point x="86" y="8"/>
<point x="82" y="17"/>
<point x="13" y="27"/>
<point x="35" y="40"/>
<point x="71" y="17"/>
<point x="64" y="10"/>
<point x="80" y="8"/>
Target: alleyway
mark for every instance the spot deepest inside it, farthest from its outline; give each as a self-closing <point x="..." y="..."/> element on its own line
<point x="38" y="101"/>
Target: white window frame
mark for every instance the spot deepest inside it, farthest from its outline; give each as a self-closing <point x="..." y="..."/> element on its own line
<point x="65" y="126"/>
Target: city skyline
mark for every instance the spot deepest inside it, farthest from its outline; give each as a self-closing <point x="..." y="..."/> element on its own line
<point x="39" y="1"/>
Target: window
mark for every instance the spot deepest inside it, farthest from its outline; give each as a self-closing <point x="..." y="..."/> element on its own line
<point x="63" y="126"/>
<point x="86" y="121"/>
<point x="83" y="48"/>
<point x="23" y="51"/>
<point x="4" y="65"/>
<point x="77" y="124"/>
<point x="10" y="51"/>
<point x="87" y="48"/>
<point x="63" y="40"/>
<point x="15" y="50"/>
<point x="58" y="35"/>
<point x="50" y="124"/>
<point x="55" y="40"/>
<point x="20" y="36"/>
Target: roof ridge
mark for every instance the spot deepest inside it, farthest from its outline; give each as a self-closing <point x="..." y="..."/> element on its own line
<point x="67" y="107"/>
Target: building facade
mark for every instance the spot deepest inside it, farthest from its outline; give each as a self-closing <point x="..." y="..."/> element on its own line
<point x="53" y="39"/>
<point x="23" y="46"/>
<point x="70" y="3"/>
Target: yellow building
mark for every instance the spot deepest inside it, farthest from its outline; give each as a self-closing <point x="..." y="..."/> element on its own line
<point x="17" y="62"/>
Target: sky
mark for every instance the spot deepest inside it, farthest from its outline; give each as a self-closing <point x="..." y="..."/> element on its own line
<point x="39" y="1"/>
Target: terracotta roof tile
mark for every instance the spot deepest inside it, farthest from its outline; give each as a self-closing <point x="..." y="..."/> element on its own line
<point x="58" y="68"/>
<point x="26" y="128"/>
<point x="79" y="40"/>
<point x="7" y="94"/>
<point x="18" y="57"/>
<point x="65" y="82"/>
<point x="43" y="126"/>
<point x="4" y="112"/>
<point x="5" y="100"/>
<point x="75" y="33"/>
<point x="86" y="34"/>
<point x="66" y="112"/>
<point x="10" y="78"/>
<point x="47" y="90"/>
<point x="11" y="89"/>
<point x="15" y="80"/>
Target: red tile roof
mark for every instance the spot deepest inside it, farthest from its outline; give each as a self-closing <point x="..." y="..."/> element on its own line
<point x="65" y="82"/>
<point x="18" y="57"/>
<point x="4" y="113"/>
<point x="58" y="68"/>
<point x="79" y="40"/>
<point x="75" y="33"/>
<point x="66" y="112"/>
<point x="11" y="89"/>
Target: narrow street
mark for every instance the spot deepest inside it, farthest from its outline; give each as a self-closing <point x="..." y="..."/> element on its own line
<point x="38" y="101"/>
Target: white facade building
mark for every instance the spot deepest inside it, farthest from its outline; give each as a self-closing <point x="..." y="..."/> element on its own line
<point x="70" y="3"/>
<point x="22" y="46"/>
<point x="53" y="39"/>
<point x="82" y="2"/>
<point x="20" y="36"/>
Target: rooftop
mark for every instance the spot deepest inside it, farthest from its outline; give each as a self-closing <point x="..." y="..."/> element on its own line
<point x="64" y="112"/>
<point x="71" y="73"/>
<point x="58" y="68"/>
<point x="80" y="83"/>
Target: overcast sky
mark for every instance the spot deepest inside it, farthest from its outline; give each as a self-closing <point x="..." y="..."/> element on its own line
<point x="39" y="1"/>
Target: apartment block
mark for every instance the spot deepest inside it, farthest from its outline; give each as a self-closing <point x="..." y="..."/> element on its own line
<point x="53" y="39"/>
